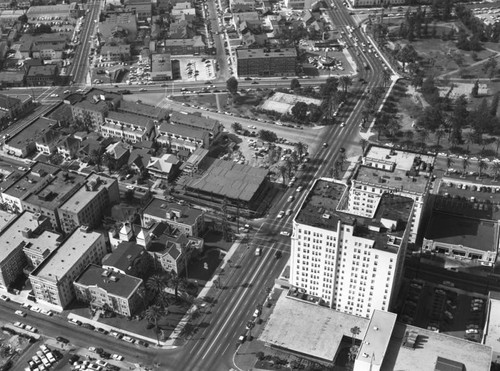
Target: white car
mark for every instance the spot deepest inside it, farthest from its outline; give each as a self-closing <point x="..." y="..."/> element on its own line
<point x="280" y="215"/>
<point x="19" y="324"/>
<point x="54" y="95"/>
<point x="35" y="309"/>
<point x="299" y="188"/>
<point x="117" y="357"/>
<point x="20" y="313"/>
<point x="285" y="233"/>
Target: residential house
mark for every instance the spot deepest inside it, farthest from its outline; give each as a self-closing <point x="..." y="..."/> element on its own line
<point x="68" y="146"/>
<point x="46" y="142"/>
<point x="119" y="153"/>
<point x="139" y="159"/>
<point x="164" y="167"/>
<point x="48" y="50"/>
<point x="129" y="257"/>
<point x="16" y="106"/>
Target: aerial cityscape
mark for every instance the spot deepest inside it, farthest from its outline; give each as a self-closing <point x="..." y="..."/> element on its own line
<point x="233" y="185"/>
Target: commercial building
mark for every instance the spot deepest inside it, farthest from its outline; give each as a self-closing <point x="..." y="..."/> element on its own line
<point x="195" y="162"/>
<point x="14" y="237"/>
<point x="50" y="14"/>
<point x="52" y="50"/>
<point x="30" y="181"/>
<point x="267" y="62"/>
<point x="377" y="3"/>
<point x="128" y="127"/>
<point x="87" y="205"/>
<point x="383" y="343"/>
<point x="161" y="67"/>
<point x="25" y="142"/>
<point x="120" y="52"/>
<point x="49" y="196"/>
<point x="394" y="171"/>
<point x="103" y="288"/>
<point x="185" y="219"/>
<point x="142" y="8"/>
<point x="46" y="75"/>
<point x="15" y="106"/>
<point x="52" y="281"/>
<point x="242" y="187"/>
<point x="242" y="6"/>
<point x="298" y="4"/>
<point x="347" y="261"/>
<point x="194" y="46"/>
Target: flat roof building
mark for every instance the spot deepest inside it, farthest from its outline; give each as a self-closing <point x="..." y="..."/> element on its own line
<point x="356" y="261"/>
<point x="24" y="143"/>
<point x="185" y="219"/>
<point x="52" y="281"/>
<point x="395" y="171"/>
<point x="266" y="62"/>
<point x="213" y="127"/>
<point x="14" y="237"/>
<point x="102" y="287"/>
<point x="161" y="67"/>
<point x="87" y="205"/>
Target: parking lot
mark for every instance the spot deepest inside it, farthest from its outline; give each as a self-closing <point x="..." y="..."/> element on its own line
<point x="443" y="309"/>
<point x="196" y="69"/>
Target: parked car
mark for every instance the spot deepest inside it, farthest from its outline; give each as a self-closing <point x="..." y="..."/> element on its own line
<point x="20" y="313"/>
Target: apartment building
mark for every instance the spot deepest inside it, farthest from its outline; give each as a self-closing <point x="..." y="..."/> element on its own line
<point x="388" y="170"/>
<point x="350" y="262"/>
<point x="185" y="219"/>
<point x="52" y="281"/>
<point x="195" y="121"/>
<point x="141" y="109"/>
<point x="88" y="204"/>
<point x="16" y="105"/>
<point x="94" y="107"/>
<point x="47" y="198"/>
<point x="14" y="237"/>
<point x="103" y="288"/>
<point x="178" y="137"/>
<point x="30" y="181"/>
<point x="193" y="46"/>
<point x="267" y="62"/>
<point x="128" y="126"/>
<point x="120" y="52"/>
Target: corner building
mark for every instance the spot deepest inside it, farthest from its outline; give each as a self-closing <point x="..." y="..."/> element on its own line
<point x="352" y="263"/>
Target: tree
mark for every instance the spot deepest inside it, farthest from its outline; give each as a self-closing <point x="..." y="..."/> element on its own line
<point x="232" y="85"/>
<point x="407" y="54"/>
<point x="299" y="111"/>
<point x="153" y="314"/>
<point x="268" y="136"/>
<point x="109" y="160"/>
<point x="345" y="81"/>
<point x="386" y="77"/>
<point x="465" y="165"/>
<point x="355" y="331"/>
<point x="490" y="67"/>
<point x="494" y="104"/>
<point x="475" y="89"/>
<point x="330" y="87"/>
<point x="282" y="170"/>
<point x="97" y="158"/>
<point x="294" y="84"/>
<point x="482" y="166"/>
<point x="176" y="282"/>
<point x="301" y="148"/>
<point x="496" y="169"/>
<point x="42" y="28"/>
<point x="449" y="163"/>
<point x="156" y="283"/>
<point x="364" y="144"/>
<point x="142" y="293"/>
<point x="236" y="126"/>
<point x="440" y="132"/>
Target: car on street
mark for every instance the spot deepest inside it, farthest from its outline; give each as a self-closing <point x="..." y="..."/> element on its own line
<point x="291" y="198"/>
<point x="285" y="233"/>
<point x="74" y="322"/>
<point x="54" y="95"/>
<point x="117" y="357"/>
<point x="20" y="313"/>
<point x="342" y="124"/>
<point x="19" y="324"/>
<point x="277" y="254"/>
<point x="325" y="145"/>
<point x="280" y="214"/>
<point x="299" y="188"/>
<point x="258" y="251"/>
<point x="62" y="340"/>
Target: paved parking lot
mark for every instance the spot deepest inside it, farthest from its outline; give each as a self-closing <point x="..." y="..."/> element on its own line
<point x="196" y="68"/>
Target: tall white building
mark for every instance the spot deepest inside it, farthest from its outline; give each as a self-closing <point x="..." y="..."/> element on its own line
<point x="390" y="170"/>
<point x="351" y="262"/>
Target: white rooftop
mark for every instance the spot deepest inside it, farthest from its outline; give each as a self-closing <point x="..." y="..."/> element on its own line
<point x="492" y="337"/>
<point x="11" y="236"/>
<point x="67" y="255"/>
<point x="309" y="329"/>
<point x="402" y="159"/>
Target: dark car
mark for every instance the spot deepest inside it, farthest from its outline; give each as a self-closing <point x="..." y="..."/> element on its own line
<point x="105" y="355"/>
<point x="102" y="331"/>
<point x="62" y="340"/>
<point x="73" y="359"/>
<point x="88" y="326"/>
<point x="277" y="254"/>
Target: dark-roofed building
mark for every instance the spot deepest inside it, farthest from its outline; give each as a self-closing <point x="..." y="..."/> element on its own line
<point x="128" y="258"/>
<point x="161" y="67"/>
<point x="45" y="75"/>
<point x="241" y="186"/>
<point x="193" y="46"/>
<point x="267" y="62"/>
<point x="47" y="50"/>
<point x="103" y="288"/>
<point x="16" y="105"/>
<point x="129" y="127"/>
<point x="143" y="8"/>
<point x="119" y="24"/>
<point x="68" y="146"/>
<point x="185" y="219"/>
<point x="141" y="109"/>
<point x="120" y="52"/>
<point x="11" y="78"/>
<point x="139" y="159"/>
<point x="164" y="167"/>
<point x="459" y="236"/>
<point x="180" y="137"/>
<point x="196" y="121"/>
<point x="24" y="142"/>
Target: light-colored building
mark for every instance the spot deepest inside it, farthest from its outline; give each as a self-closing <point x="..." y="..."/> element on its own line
<point x="299" y="4"/>
<point x="161" y="67"/>
<point x="194" y="121"/>
<point x="14" y="237"/>
<point x="128" y="126"/>
<point x="185" y="219"/>
<point x="87" y="205"/>
<point x="52" y="281"/>
<point x="50" y="14"/>
<point x="25" y="142"/>
<point x="267" y="62"/>
<point x="103" y="288"/>
<point x="120" y="52"/>
<point x="164" y="167"/>
<point x="349" y="262"/>
<point x="118" y="24"/>
<point x="388" y="170"/>
<point x="94" y="107"/>
<point x="377" y="3"/>
<point x="179" y="137"/>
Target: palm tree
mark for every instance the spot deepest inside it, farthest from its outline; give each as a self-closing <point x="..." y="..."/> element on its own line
<point x="465" y="165"/>
<point x="449" y="163"/>
<point x="153" y="314"/>
<point x="355" y="331"/>
<point x="142" y="293"/>
<point x="345" y="81"/>
<point x="156" y="283"/>
<point x="482" y="166"/>
<point x="364" y="144"/>
<point x="109" y="160"/>
<point x="497" y="142"/>
<point x="176" y="282"/>
<point x="439" y="135"/>
<point x="301" y="148"/>
<point x="496" y="169"/>
<point x="283" y="171"/>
